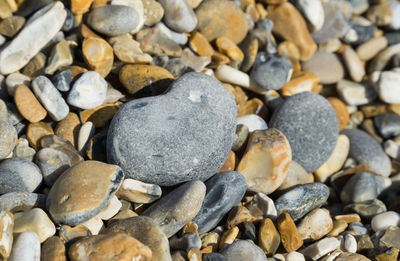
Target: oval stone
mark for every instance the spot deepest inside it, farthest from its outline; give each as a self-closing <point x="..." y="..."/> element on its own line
<point x="224" y="191"/>
<point x="310" y="124"/>
<point x="182" y="135"/>
<point x="8" y="138"/>
<point x="243" y="250"/>
<point x="83" y="191"/>
<point x="26" y="247"/>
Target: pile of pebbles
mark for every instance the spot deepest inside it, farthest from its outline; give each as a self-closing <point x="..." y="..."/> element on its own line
<point x="209" y="130"/>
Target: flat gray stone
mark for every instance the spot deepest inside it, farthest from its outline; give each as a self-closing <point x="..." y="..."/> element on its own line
<point x="182" y="135"/>
<point x="62" y="81"/>
<point x="21" y="201"/>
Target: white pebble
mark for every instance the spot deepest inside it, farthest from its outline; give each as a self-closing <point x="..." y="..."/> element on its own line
<point x="86" y="132"/>
<point x="392" y="149"/>
<point x="384" y="220"/>
<point x="26" y="247"/>
<point x="350" y="243"/>
<point x="112" y="208"/>
<point x="295" y="256"/>
<point x="321" y="248"/>
<point x="253" y="122"/>
<point x="95" y="224"/>
<point x="354" y="93"/>
<point x="389" y="87"/>
<point x="228" y="74"/>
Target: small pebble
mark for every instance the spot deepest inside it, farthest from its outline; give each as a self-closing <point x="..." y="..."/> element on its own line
<point x="384" y="220"/>
<point x="8" y="138"/>
<point x="326" y="65"/>
<point x="139" y="192"/>
<point x="243" y="250"/>
<point x="26" y="247"/>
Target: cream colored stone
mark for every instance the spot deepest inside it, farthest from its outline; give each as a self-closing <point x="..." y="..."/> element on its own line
<point x="315" y="224"/>
<point x="111" y="209"/>
<point x="35" y="220"/>
<point x="95" y="225"/>
<point x="6" y="234"/>
<point x="139" y="192"/>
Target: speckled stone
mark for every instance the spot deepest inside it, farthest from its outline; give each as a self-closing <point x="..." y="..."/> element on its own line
<point x="21" y="201"/>
<point x="361" y="187"/>
<point x="310" y="124"/>
<point x="19" y="175"/>
<point x="302" y="199"/>
<point x="178" y="207"/>
<point x="388" y="125"/>
<point x="113" y="20"/>
<point x="83" y="191"/>
<point x="365" y="150"/>
<point x="152" y="138"/>
<point x="243" y="250"/>
<point x="224" y="191"/>
<point x="8" y="138"/>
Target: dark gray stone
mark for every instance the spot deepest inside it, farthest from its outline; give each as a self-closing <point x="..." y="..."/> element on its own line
<point x="186" y="242"/>
<point x="249" y="231"/>
<point x="361" y="187"/>
<point x="302" y="199"/>
<point x="388" y="125"/>
<point x="271" y="72"/>
<point x="113" y="20"/>
<point x="69" y="22"/>
<point x="19" y="175"/>
<point x="310" y="124"/>
<point x="224" y="191"/>
<point x="364" y="33"/>
<point x="214" y="257"/>
<point x="14" y="117"/>
<point x="22" y="201"/>
<point x="393" y="38"/>
<point x="365" y="150"/>
<point x="52" y="163"/>
<point x="243" y="250"/>
<point x="182" y="135"/>
<point x="366" y="209"/>
<point x="266" y="24"/>
<point x="29" y="7"/>
<point x="62" y="81"/>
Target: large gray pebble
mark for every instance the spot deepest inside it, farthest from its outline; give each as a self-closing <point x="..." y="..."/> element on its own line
<point x="184" y="134"/>
<point x="243" y="250"/>
<point x="310" y="124"/>
<point x="8" y="138"/>
<point x="179" y="15"/>
<point x="361" y="187"/>
<point x="113" y="20"/>
<point x="21" y="201"/>
<point x="224" y="191"/>
<point x="365" y="150"/>
<point x="18" y="174"/>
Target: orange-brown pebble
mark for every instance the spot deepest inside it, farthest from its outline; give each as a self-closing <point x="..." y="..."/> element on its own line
<point x="100" y="116"/>
<point x="80" y="6"/>
<point x="304" y="82"/>
<point x="194" y="254"/>
<point x="27" y="104"/>
<point x="36" y="131"/>
<point x="268" y="237"/>
<point x="290" y="237"/>
<point x="53" y="249"/>
<point x="218" y="59"/>
<point x="290" y="25"/>
<point x="228" y="237"/>
<point x="229" y="164"/>
<point x="86" y="32"/>
<point x="99" y="3"/>
<point x="341" y="112"/>
<point x="200" y="45"/>
<point x="68" y="128"/>
<point x="98" y="55"/>
<point x="253" y="106"/>
<point x="349" y="218"/>
<point x="240" y="214"/>
<point x="190" y="227"/>
<point x="289" y="49"/>
<point x="228" y="47"/>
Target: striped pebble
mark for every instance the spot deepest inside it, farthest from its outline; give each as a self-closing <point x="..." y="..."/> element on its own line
<point x="266" y="161"/>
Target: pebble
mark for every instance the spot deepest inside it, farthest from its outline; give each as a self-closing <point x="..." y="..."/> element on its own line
<point x="19" y="175"/>
<point x="27" y="104"/>
<point x="300" y="200"/>
<point x="341" y="111"/>
<point x="313" y="12"/>
<point x="113" y="20"/>
<point x="353" y="64"/>
<point x="290" y="25"/>
<point x="98" y="55"/>
<point x="371" y="48"/>
<point x="224" y="191"/>
<point x="214" y="257"/>
<point x="387" y="87"/>
<point x="22" y="150"/>
<point x="14" y="80"/>
<point x="60" y="57"/>
<point x="290" y="237"/>
<point x="139" y="192"/>
<point x="88" y="92"/>
<point x="382" y="59"/>
<point x="315" y="224"/>
<point x="178" y="207"/>
<point x="253" y="122"/>
<point x="11" y="25"/>
<point x="6" y="234"/>
<point x="243" y="250"/>
<point x="8" y="138"/>
<point x="179" y="16"/>
<point x="358" y="228"/>
<point x="351" y="257"/>
<point x="271" y="72"/>
<point x="36" y="131"/>
<point x="35" y="66"/>
<point x="314" y="138"/>
<point x="53" y="249"/>
<point x="186" y="242"/>
<point x="128" y="50"/>
<point x="37" y="32"/>
<point x="147" y="232"/>
<point x="213" y="23"/>
<point x="52" y="163"/>
<point x="86" y="132"/>
<point x="79" y="7"/>
<point x="388" y="125"/>
<point x="153" y="12"/>
<point x="296" y="175"/>
<point x="197" y="94"/>
<point x="109" y="246"/>
<point x="68" y="128"/>
<point x="361" y="187"/>
<point x="321" y="248"/>
<point x="391" y="237"/>
<point x="265" y="176"/>
<point x="21" y="201"/>
<point x="3" y="111"/>
<point x="139" y="8"/>
<point x="355" y="93"/>
<point x="153" y="41"/>
<point x="366" y="209"/>
<point x="301" y="83"/>
<point x="326" y="65"/>
<point x="268" y="237"/>
<point x="62" y="81"/>
<point x="64" y="201"/>
<point x="380" y="14"/>
<point x="384" y="220"/>
<point x="50" y="97"/>
<point x="365" y="150"/>
<point x="350" y="243"/>
<point x="26" y="247"/>
<point x="35" y="220"/>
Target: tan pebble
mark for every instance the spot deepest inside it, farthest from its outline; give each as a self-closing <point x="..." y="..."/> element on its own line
<point x="252" y="12"/>
<point x="11" y="25"/>
<point x="68" y="128"/>
<point x="190" y="227"/>
<point x="351" y="257"/>
<point x="228" y="47"/>
<point x="268" y="237"/>
<point x="60" y="57"/>
<point x="98" y="55"/>
<point x="99" y="3"/>
<point x="101" y="115"/>
<point x="239" y="215"/>
<point x="207" y="250"/>
<point x="153" y="12"/>
<point x="128" y="50"/>
<point x="210" y="239"/>
<point x="76" y="70"/>
<point x="303" y="82"/>
<point x="341" y="112"/>
<point x="7" y="7"/>
<point x="80" y="6"/>
<point x="36" y="131"/>
<point x="261" y="11"/>
<point x="315" y="224"/>
<point x="69" y="234"/>
<point x="395" y="108"/>
<point x="290" y="237"/>
<point x="6" y="234"/>
<point x="228" y="237"/>
<point x="194" y="254"/>
<point x="289" y="49"/>
<point x="261" y="175"/>
<point x="122" y="214"/>
<point x="35" y="66"/>
<point x="353" y="64"/>
<point x="250" y="50"/>
<point x="389" y="255"/>
<point x="106" y="247"/>
<point x="53" y="249"/>
<point x="86" y="32"/>
<point x="372" y="47"/>
<point x="296" y="175"/>
<point x="380" y="14"/>
<point x="374" y="110"/>
<point x="153" y="41"/>
<point x="349" y="218"/>
<point x="200" y="45"/>
<point x="253" y="106"/>
<point x="338" y="227"/>
<point x="229" y="164"/>
<point x="139" y="192"/>
<point x="28" y="106"/>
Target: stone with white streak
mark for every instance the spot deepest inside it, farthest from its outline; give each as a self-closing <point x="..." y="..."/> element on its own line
<point x="111" y="209"/>
<point x="88" y="92"/>
<point x="321" y="248"/>
<point x="37" y="32"/>
<point x="389" y="87"/>
<point x="26" y="247"/>
<point x="253" y="122"/>
<point x="139" y="192"/>
<point x="313" y="12"/>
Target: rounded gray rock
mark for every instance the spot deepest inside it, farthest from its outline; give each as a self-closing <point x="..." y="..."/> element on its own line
<point x="179" y="15"/>
<point x="361" y="187"/>
<point x="21" y="201"/>
<point x="19" y="175"/>
<point x="243" y="250"/>
<point x="182" y="135"/>
<point x="113" y="20"/>
<point x="388" y="125"/>
<point x="53" y="163"/>
<point x="310" y="124"/>
<point x="8" y="138"/>
<point x="365" y="150"/>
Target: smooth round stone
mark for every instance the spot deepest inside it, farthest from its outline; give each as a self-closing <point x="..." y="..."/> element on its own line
<point x="86" y="132"/>
<point x="68" y="128"/>
<point x="214" y="257"/>
<point x="388" y="125"/>
<point x="179" y="15"/>
<point x="178" y="207"/>
<point x="365" y="150"/>
<point x="271" y="72"/>
<point x="113" y="20"/>
<point x="153" y="12"/>
<point x="8" y="138"/>
<point x="50" y="97"/>
<point x="53" y="249"/>
<point x="28" y="105"/>
<point x="366" y="209"/>
<point x="224" y="191"/>
<point x="52" y="163"/>
<point x="388" y="89"/>
<point x="353" y="64"/>
<point x="152" y="138"/>
<point x="372" y="47"/>
<point x="315" y="224"/>
<point x="21" y="201"/>
<point x="146" y="231"/>
<point x="321" y="248"/>
<point x="296" y="175"/>
<point x="326" y="65"/>
<point x="302" y="199"/>
<point x="19" y="175"/>
<point x="35" y="220"/>
<point x="62" y="81"/>
<point x="241" y="134"/>
<point x="385" y="220"/>
<point x="310" y="124"/>
<point x="82" y="191"/>
<point x="361" y="187"/>
<point x="98" y="55"/>
<point x="243" y="250"/>
<point x="88" y="92"/>
<point x="26" y="247"/>
<point x="252" y="122"/>
<point x="139" y="8"/>
<point x="139" y="192"/>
